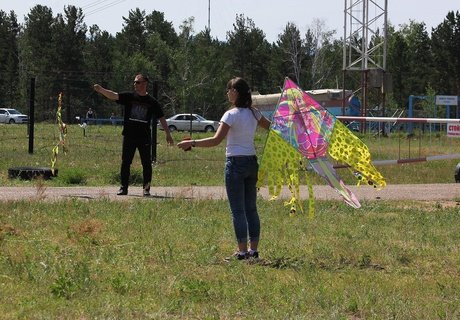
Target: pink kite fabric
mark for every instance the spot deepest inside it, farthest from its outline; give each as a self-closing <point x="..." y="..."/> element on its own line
<point x="303" y="122"/>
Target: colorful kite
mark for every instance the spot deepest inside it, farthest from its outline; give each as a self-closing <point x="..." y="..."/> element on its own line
<point x="303" y="134"/>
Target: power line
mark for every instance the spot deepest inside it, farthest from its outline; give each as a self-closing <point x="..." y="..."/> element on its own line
<point x="96" y="9"/>
<point x="93" y="4"/>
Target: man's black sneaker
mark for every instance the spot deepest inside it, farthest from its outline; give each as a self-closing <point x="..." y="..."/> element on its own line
<point x="253" y="254"/>
<point x="237" y="256"/>
<point x="122" y="192"/>
<point x="146" y="190"/>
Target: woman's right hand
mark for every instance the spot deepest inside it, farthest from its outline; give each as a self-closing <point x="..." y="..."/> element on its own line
<point x="185" y="144"/>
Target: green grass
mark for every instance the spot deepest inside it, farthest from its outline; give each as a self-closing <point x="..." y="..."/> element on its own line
<point x="94" y="159"/>
<point x="163" y="258"/>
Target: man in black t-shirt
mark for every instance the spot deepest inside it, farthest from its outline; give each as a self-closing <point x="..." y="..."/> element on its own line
<point x="140" y="108"/>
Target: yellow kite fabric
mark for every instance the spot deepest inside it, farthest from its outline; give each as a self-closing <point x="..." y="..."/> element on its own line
<point x="62" y="134"/>
<point x="281" y="164"/>
<point x="347" y="148"/>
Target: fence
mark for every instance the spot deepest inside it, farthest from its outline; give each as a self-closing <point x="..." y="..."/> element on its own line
<point x="97" y="151"/>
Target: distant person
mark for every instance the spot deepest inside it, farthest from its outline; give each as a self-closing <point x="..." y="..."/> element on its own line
<point x="90" y="114"/>
<point x="140" y="107"/>
<point x="113" y="119"/>
<point x="239" y="125"/>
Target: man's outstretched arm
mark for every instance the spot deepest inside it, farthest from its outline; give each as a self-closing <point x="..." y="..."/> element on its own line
<point x="109" y="94"/>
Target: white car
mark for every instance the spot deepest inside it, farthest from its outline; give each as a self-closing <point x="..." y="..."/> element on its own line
<point x="181" y="122"/>
<point x="12" y="116"/>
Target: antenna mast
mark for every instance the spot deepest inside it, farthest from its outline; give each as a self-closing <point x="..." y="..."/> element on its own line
<point x="365" y="45"/>
<point x="209" y="16"/>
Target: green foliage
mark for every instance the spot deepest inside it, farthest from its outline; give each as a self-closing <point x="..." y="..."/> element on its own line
<point x="446" y="48"/>
<point x="121" y="284"/>
<point x="73" y="176"/>
<point x="191" y="68"/>
<point x="64" y="287"/>
<point x="9" y="55"/>
<point x="429" y="104"/>
<point x="249" y="52"/>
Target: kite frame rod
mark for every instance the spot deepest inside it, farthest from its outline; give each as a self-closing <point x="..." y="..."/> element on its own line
<point x="378" y="163"/>
<point x="389" y="119"/>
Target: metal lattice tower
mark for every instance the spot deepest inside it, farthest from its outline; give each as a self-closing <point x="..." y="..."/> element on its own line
<point x="365" y="45"/>
<point x="365" y="39"/>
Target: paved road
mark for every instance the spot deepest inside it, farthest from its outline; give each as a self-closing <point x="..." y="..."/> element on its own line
<point x="430" y="192"/>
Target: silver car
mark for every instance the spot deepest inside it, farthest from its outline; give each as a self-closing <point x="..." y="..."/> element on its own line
<point x="181" y="122"/>
<point x="11" y="116"/>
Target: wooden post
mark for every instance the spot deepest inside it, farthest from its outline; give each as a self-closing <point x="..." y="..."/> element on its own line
<point x="31" y="115"/>
<point x="154" y="125"/>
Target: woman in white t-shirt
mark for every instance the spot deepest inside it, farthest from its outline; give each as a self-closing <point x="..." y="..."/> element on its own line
<point x="239" y="126"/>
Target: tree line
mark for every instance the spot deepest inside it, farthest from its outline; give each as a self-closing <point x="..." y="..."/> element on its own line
<point x="190" y="69"/>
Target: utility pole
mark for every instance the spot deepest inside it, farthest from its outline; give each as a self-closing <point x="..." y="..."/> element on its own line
<point x="209" y="16"/>
<point x="153" y="125"/>
<point x="31" y="124"/>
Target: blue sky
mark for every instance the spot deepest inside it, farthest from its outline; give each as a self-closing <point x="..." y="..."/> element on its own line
<point x="269" y="15"/>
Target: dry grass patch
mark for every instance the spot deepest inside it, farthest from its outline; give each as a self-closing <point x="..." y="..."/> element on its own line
<point x="8" y="229"/>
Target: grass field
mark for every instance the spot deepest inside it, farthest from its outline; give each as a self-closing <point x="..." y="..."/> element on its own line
<point x="163" y="259"/>
<point x="94" y="158"/>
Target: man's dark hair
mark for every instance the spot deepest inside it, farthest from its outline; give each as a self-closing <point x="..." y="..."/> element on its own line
<point x="145" y="78"/>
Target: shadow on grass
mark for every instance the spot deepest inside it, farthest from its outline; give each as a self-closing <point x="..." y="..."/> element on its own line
<point x="295" y="263"/>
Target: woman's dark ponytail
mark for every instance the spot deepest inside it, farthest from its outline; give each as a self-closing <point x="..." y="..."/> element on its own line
<point x="244" y="99"/>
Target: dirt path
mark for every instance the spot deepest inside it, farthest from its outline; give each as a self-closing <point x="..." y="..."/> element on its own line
<point x="428" y="192"/>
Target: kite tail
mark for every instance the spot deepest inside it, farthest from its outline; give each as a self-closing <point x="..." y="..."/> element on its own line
<point x="293" y="185"/>
<point x="62" y="135"/>
<point x="324" y="168"/>
<point x="311" y="197"/>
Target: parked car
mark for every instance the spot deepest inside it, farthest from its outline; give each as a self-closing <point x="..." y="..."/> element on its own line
<point x="181" y="122"/>
<point x="8" y="115"/>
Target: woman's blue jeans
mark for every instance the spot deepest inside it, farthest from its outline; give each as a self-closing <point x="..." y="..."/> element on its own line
<point x="240" y="182"/>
